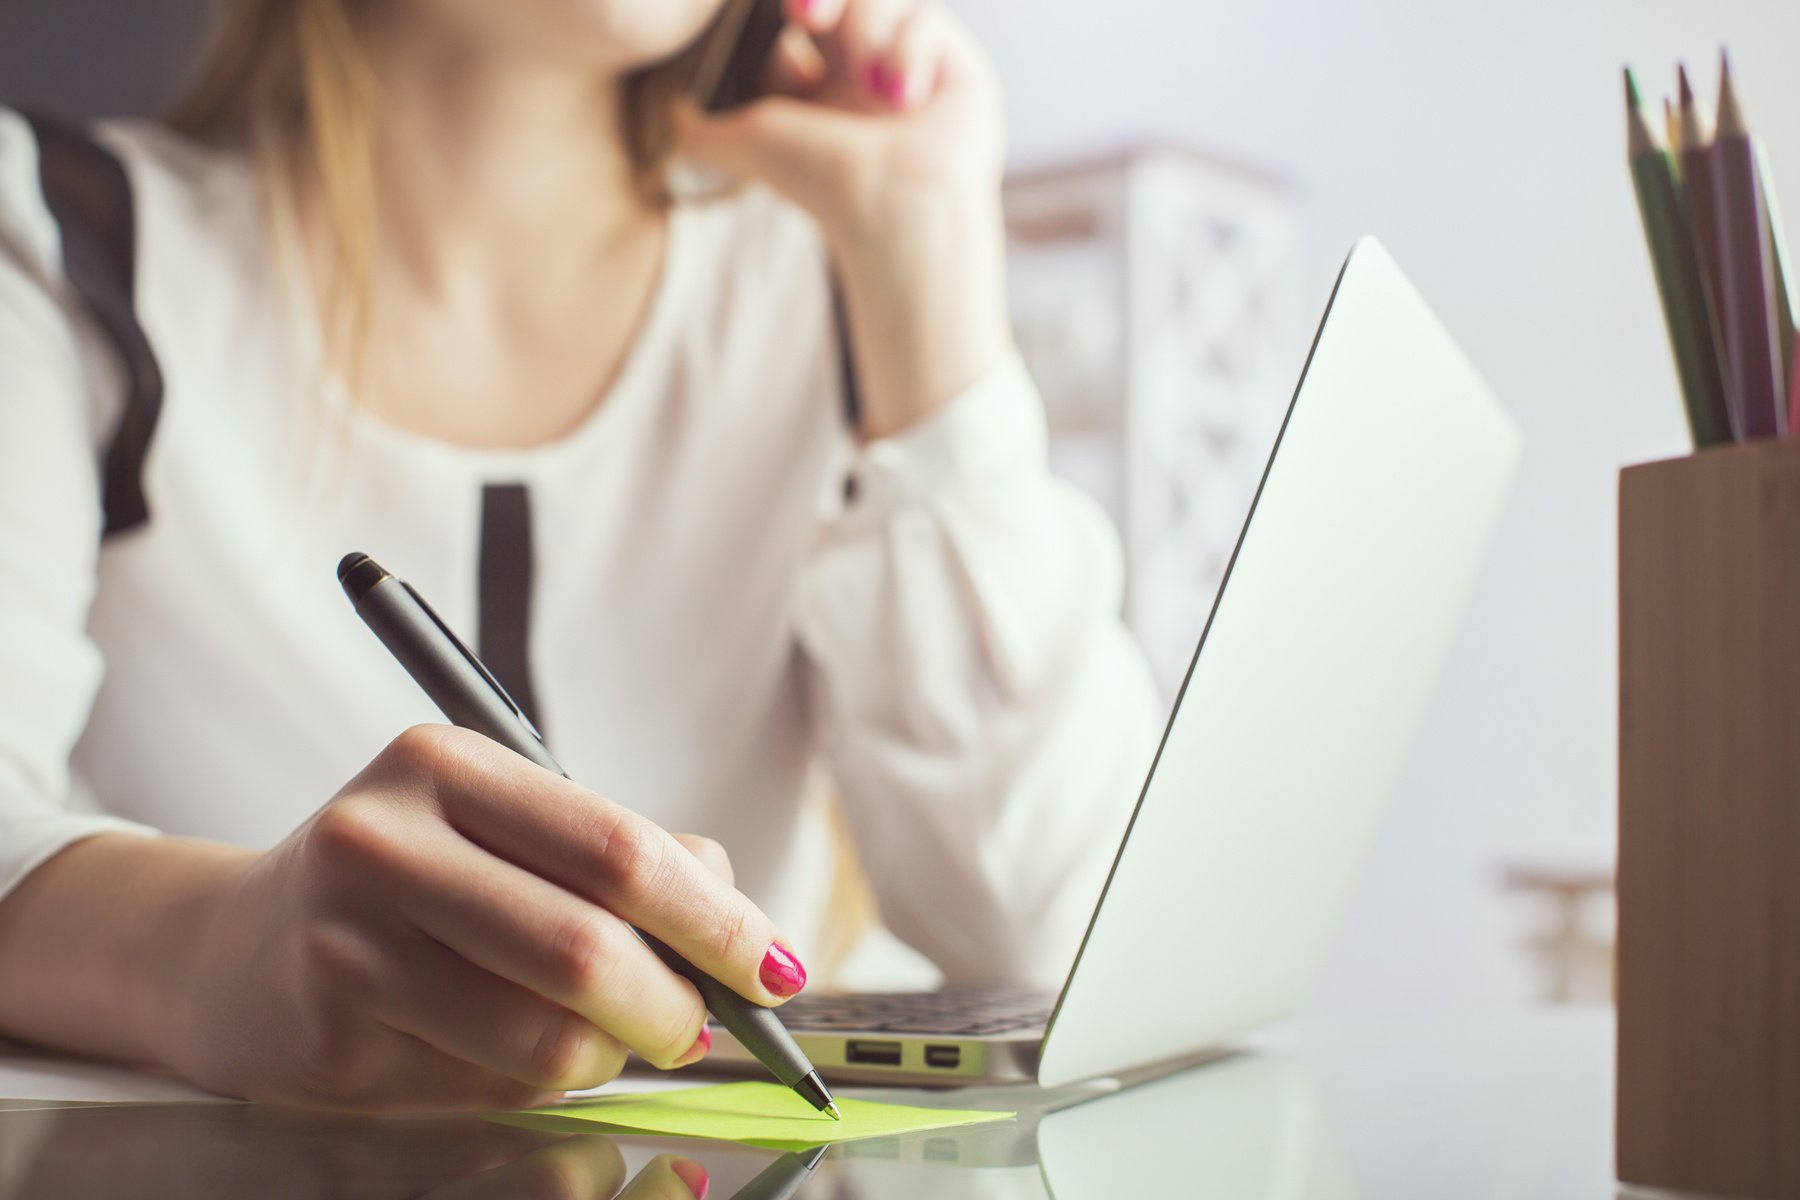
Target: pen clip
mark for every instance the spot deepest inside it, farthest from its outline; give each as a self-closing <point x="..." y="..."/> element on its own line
<point x="469" y="656"/>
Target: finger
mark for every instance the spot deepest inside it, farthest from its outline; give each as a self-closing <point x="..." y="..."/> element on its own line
<point x="910" y="64"/>
<point x="712" y="856"/>
<point x="963" y="62"/>
<point x="613" y="857"/>
<point x="520" y="928"/>
<point x="585" y="1167"/>
<point x="667" y="1177"/>
<point x="796" y="67"/>
<point x="862" y="38"/>
<point x="816" y="16"/>
<point x="443" y="1000"/>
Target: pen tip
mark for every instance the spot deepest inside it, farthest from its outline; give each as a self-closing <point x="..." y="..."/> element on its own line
<point x="813" y="1090"/>
<point x="357" y="573"/>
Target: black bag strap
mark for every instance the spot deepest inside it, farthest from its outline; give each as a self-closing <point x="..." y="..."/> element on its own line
<point x="89" y="196"/>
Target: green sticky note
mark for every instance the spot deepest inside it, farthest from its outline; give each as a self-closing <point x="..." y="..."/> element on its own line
<point x="763" y="1114"/>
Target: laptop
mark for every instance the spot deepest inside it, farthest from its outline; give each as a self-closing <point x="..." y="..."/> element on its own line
<point x="1285" y="740"/>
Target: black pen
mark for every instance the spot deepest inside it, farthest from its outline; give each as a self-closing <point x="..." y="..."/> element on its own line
<point x="783" y="1177"/>
<point x="471" y="697"/>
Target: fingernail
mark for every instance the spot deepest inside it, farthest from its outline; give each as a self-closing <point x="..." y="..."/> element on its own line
<point x="807" y="7"/>
<point x="692" y="1174"/>
<point x="782" y="972"/>
<point x="698" y="1050"/>
<point x="896" y="88"/>
<point x="877" y="76"/>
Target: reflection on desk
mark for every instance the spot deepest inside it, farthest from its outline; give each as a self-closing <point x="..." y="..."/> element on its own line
<point x="1244" y="1127"/>
<point x="1503" y="1107"/>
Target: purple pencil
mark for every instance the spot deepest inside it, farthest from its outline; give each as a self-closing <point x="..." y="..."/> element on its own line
<point x="1746" y="276"/>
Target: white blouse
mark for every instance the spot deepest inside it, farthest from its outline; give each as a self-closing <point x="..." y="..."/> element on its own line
<point x="708" y="615"/>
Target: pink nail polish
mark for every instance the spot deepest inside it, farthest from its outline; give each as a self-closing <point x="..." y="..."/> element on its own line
<point x="877" y="77"/>
<point x="699" y="1049"/>
<point x="807" y="7"/>
<point x="781" y="972"/>
<point x="896" y="89"/>
<point x="693" y="1175"/>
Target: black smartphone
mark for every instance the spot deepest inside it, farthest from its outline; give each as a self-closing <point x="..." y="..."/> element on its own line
<point x="734" y="54"/>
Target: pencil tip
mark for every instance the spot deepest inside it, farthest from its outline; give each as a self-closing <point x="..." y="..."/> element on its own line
<point x="1631" y="91"/>
<point x="1687" y="90"/>
<point x="1731" y="121"/>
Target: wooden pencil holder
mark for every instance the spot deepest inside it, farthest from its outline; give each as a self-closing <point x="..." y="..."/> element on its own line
<point x="1708" y="1078"/>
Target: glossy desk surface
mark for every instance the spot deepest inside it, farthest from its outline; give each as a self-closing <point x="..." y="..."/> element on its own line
<point x="1496" y="1106"/>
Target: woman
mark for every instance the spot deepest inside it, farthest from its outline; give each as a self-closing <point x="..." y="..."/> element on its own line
<point x="414" y="286"/>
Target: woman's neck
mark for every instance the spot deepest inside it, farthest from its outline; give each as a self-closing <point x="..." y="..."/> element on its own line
<point x="489" y="166"/>
<point x="514" y="259"/>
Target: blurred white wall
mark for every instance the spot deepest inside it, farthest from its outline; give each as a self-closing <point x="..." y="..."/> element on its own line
<point x="1484" y="144"/>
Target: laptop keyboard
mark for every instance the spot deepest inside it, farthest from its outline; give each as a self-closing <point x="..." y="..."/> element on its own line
<point x="959" y="1012"/>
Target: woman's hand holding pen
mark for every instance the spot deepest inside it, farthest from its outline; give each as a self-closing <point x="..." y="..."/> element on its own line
<point x="885" y="124"/>
<point x="450" y="931"/>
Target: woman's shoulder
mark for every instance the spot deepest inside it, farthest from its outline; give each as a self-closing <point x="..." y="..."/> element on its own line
<point x="757" y="281"/>
<point x="192" y="192"/>
<point x="757" y="262"/>
<point x="28" y="231"/>
<point x="174" y="182"/>
<point x="752" y="231"/>
<point x="153" y="149"/>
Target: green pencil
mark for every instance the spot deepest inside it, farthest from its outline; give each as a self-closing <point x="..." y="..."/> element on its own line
<point x="1676" y="262"/>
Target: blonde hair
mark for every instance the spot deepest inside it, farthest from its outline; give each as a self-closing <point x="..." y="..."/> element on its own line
<point x="289" y="78"/>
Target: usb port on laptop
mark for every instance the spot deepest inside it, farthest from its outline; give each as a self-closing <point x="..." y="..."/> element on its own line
<point x="884" y="1054"/>
<point x="947" y="1058"/>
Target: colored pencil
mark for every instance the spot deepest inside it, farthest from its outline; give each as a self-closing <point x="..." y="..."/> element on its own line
<point x="1697" y="184"/>
<point x="1793" y="398"/>
<point x="1746" y="275"/>
<point x="1672" y="131"/>
<point x="1668" y="232"/>
<point x="1778" y="259"/>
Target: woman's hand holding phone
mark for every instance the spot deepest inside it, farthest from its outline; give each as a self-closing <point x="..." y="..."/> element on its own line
<point x="883" y="120"/>
<point x="449" y="932"/>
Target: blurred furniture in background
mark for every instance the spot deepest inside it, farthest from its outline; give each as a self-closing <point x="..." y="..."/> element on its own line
<point x="1157" y="297"/>
<point x="1572" y="949"/>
